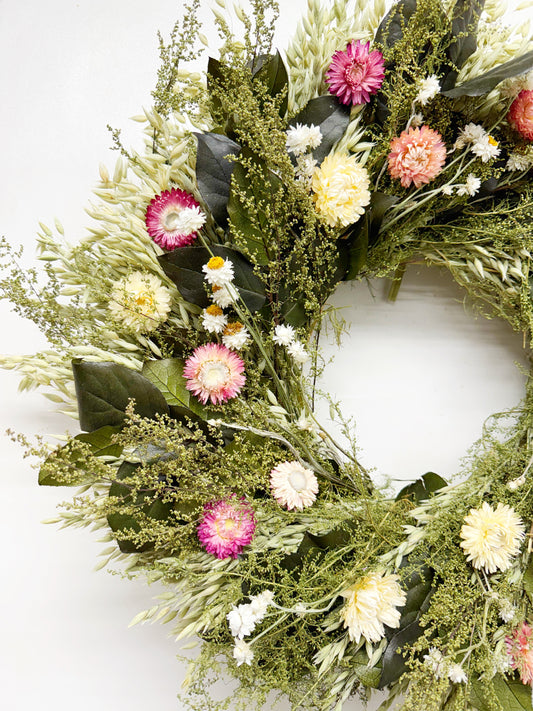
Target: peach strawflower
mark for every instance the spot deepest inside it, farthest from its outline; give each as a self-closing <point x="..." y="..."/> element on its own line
<point x="417" y="156"/>
<point x="293" y="486"/>
<point x="520" y="649"/>
<point x="215" y="373"/>
<point x="356" y="73"/>
<point x="521" y="114"/>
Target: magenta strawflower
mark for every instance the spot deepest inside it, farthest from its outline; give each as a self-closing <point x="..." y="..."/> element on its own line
<point x="520" y="649"/>
<point x="417" y="156"/>
<point x="173" y="219"/>
<point x="226" y="527"/>
<point x="356" y="73"/>
<point x="215" y="373"/>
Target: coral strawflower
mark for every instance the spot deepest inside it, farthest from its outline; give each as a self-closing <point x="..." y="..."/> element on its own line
<point x="356" y="73"/>
<point x="417" y="156"/>
<point x="521" y="114"/>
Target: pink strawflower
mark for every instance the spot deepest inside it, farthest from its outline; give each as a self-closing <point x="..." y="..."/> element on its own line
<point x="226" y="527"/>
<point x="356" y="73"/>
<point x="520" y="649"/>
<point x="173" y="219"/>
<point x="214" y="372"/>
<point x="521" y="114"/>
<point x="417" y="156"/>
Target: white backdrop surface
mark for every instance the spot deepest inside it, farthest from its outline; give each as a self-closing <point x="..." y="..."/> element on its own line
<point x="419" y="376"/>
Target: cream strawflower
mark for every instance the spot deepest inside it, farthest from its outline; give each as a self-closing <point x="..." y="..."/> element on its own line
<point x="140" y="301"/>
<point x="218" y="271"/>
<point x="428" y="89"/>
<point x="370" y="605"/>
<point x="492" y="537"/>
<point x="293" y="485"/>
<point x="242" y="653"/>
<point x="340" y="188"/>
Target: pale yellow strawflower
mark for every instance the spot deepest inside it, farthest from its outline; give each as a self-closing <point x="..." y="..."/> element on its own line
<point x="340" y="190"/>
<point x="492" y="537"/>
<point x="370" y="604"/>
<point x="140" y="301"/>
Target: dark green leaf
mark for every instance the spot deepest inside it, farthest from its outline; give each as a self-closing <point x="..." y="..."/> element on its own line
<point x="314" y="547"/>
<point x="368" y="676"/>
<point x="167" y="376"/>
<point x="528" y="580"/>
<point x="292" y="307"/>
<point x="379" y="204"/>
<point x="421" y="489"/>
<point x="101" y="445"/>
<point x="273" y="74"/>
<point x="393" y="24"/>
<point x="358" y="254"/>
<point x="511" y="694"/>
<point x="184" y="268"/>
<point x="487" y="82"/>
<point x="213" y="172"/>
<point x="104" y="390"/>
<point x="330" y="116"/>
<point x="419" y="591"/>
<point x="465" y="21"/>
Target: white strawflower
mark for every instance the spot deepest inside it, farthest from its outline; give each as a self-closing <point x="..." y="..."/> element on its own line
<point x="429" y="88"/>
<point x="470" y="187"/>
<point x="519" y="162"/>
<point x="507" y="610"/>
<point x="469" y="134"/>
<point x="224" y="296"/>
<point x="448" y="189"/>
<point x="242" y="653"/>
<point x="259" y="604"/>
<point x="305" y="423"/>
<point x="140" y="301"/>
<point x="235" y="335"/>
<point x="371" y="604"/>
<point x="284" y="335"/>
<point x="214" y="319"/>
<point x="492" y="537"/>
<point x="516" y="483"/>
<point x="241" y="621"/>
<point x="298" y="352"/>
<point x="187" y="220"/>
<point x="301" y="138"/>
<point x="305" y="168"/>
<point x="435" y="661"/>
<point x="485" y="148"/>
<point x="416" y="120"/>
<point x="456" y="674"/>
<point x="293" y="485"/>
<point x="218" y="271"/>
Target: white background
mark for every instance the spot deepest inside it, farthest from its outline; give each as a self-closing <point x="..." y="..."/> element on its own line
<point x="419" y="376"/>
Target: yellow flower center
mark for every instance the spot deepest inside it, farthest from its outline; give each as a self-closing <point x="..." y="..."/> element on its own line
<point x="144" y="300"/>
<point x="493" y="141"/>
<point x="233" y="328"/>
<point x="215" y="263"/>
<point x="214" y="310"/>
<point x="213" y="374"/>
<point x="225" y="528"/>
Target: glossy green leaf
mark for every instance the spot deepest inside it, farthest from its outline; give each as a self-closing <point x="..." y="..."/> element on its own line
<point x="213" y="172"/>
<point x="380" y="203"/>
<point x="330" y="116"/>
<point x="104" y="391"/>
<point x="246" y="209"/>
<point x="465" y="19"/>
<point x="184" y="267"/>
<point x="167" y="376"/>
<point x="273" y="74"/>
<point x="484" y="83"/>
<point x="393" y="24"/>
<point x="369" y="676"/>
<point x="358" y="254"/>
<point x="421" y="489"/>
<point x="100" y="444"/>
<point x="510" y="693"/>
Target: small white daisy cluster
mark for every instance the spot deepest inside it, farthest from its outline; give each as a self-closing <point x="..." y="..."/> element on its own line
<point x="286" y="336"/>
<point x="428" y="89"/>
<point x="470" y="187"/>
<point x="140" y="301"/>
<point x="242" y="621"/>
<point x="441" y="667"/>
<point x="301" y="140"/>
<point x="476" y="139"/>
<point x="219" y="273"/>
